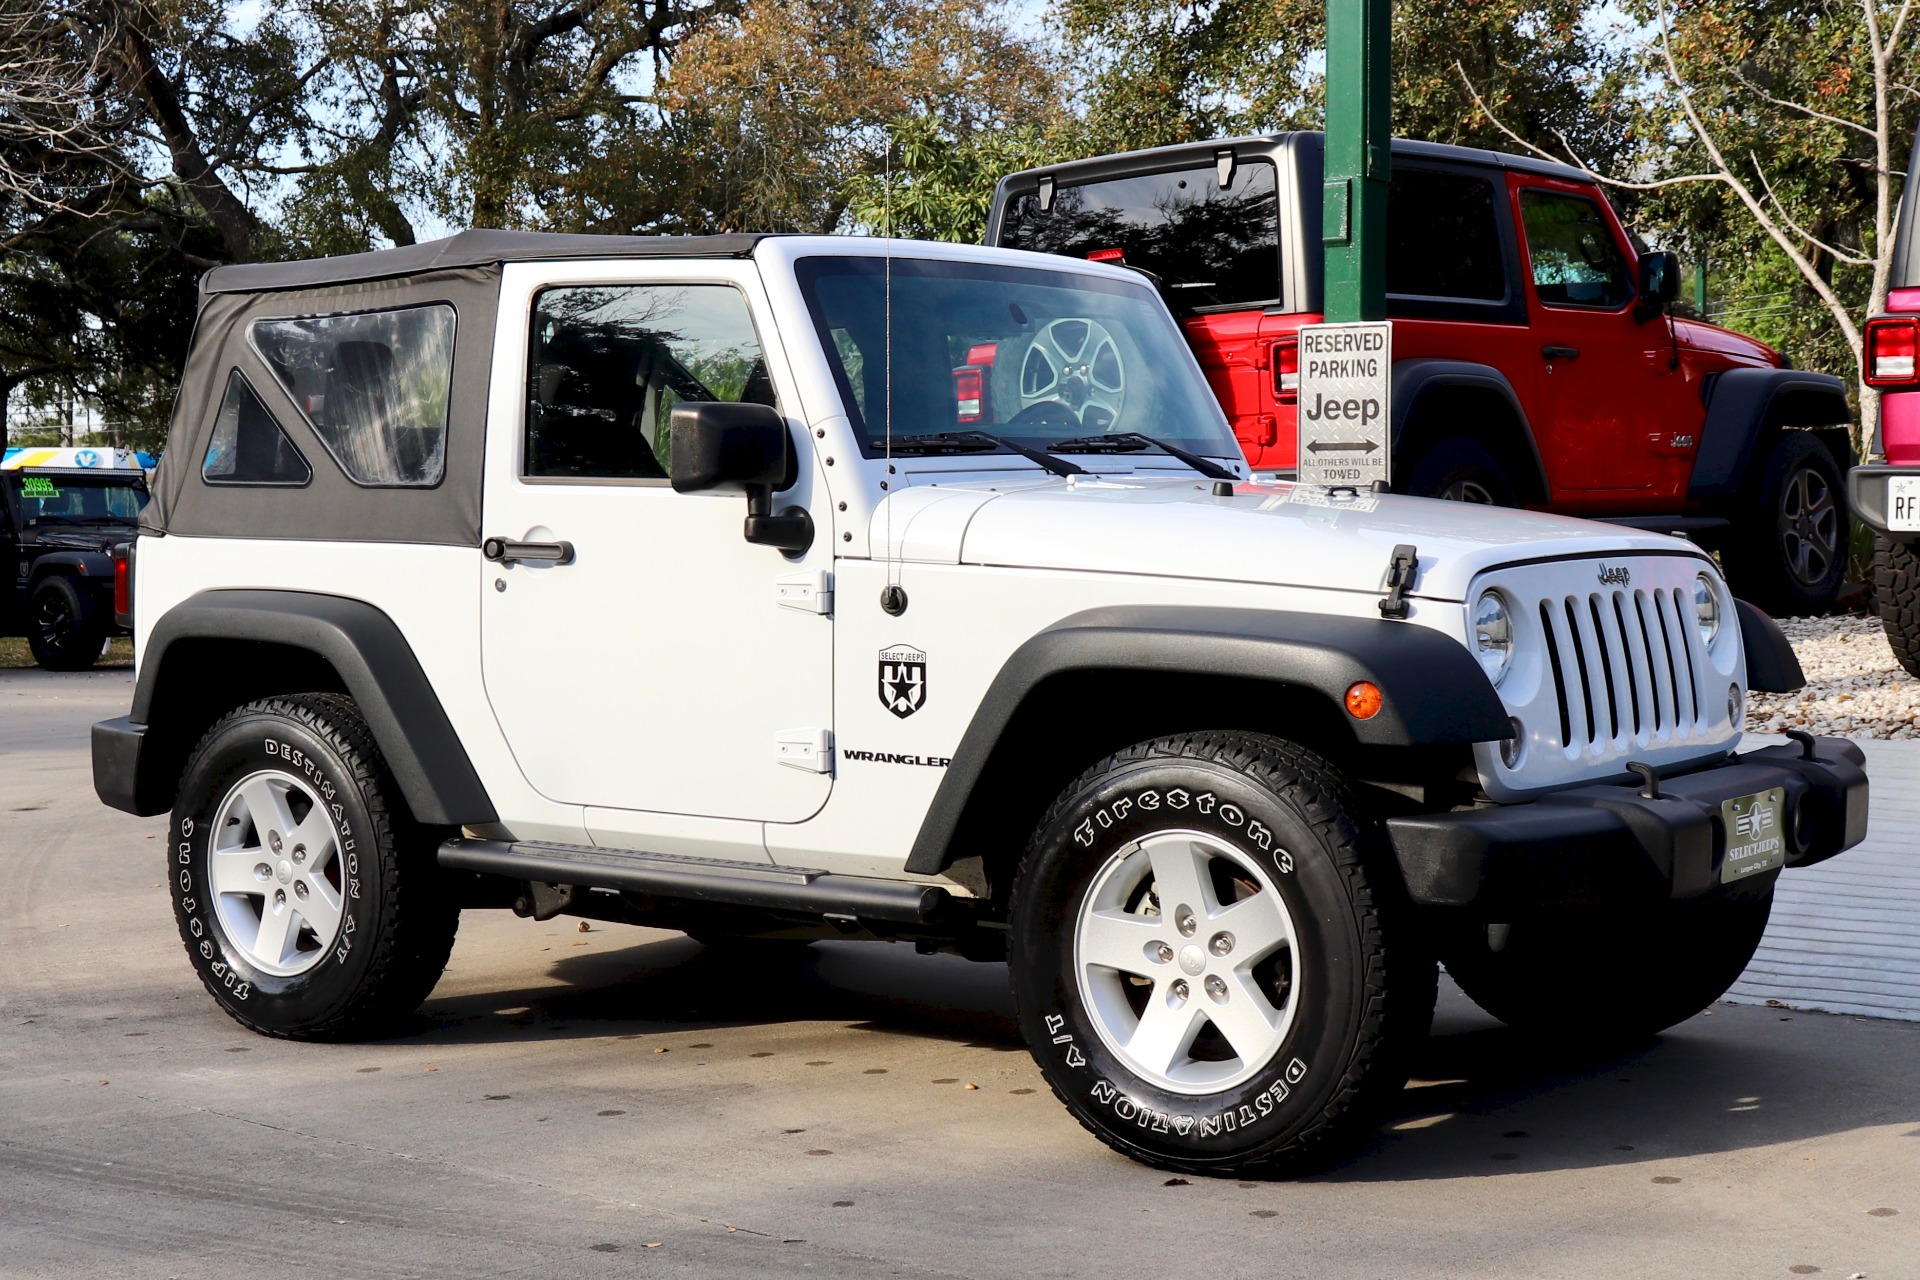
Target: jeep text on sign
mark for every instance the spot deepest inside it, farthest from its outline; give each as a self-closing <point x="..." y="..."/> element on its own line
<point x="1346" y="403"/>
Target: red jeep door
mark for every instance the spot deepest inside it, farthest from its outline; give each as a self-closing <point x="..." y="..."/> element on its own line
<point x="1595" y="389"/>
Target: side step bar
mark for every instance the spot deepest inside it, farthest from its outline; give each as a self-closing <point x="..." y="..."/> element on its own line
<point x="734" y="884"/>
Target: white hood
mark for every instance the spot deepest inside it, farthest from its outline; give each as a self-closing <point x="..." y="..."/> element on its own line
<point x="1283" y="534"/>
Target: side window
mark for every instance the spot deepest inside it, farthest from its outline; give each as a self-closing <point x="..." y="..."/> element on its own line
<point x="1442" y="237"/>
<point x="1576" y="262"/>
<point x="607" y="363"/>
<point x="248" y="446"/>
<point x="373" y="385"/>
<point x="1208" y="246"/>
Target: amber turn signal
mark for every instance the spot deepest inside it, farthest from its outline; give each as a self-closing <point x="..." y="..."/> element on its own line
<point x="1363" y="700"/>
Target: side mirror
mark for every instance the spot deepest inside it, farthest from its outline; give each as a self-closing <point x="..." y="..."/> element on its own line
<point x="718" y="445"/>
<point x="1659" y="283"/>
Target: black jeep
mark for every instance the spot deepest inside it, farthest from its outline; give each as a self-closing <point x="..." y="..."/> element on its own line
<point x="58" y="529"/>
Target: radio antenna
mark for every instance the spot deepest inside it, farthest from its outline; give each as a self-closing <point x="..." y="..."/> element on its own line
<point x="892" y="598"/>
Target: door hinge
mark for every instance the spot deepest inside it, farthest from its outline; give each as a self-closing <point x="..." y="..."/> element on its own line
<point x="808" y="592"/>
<point x="809" y="750"/>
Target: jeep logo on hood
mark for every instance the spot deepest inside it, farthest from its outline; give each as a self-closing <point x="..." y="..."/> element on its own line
<point x="1614" y="577"/>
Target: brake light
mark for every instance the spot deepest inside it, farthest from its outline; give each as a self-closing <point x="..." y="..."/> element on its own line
<point x="1892" y="345"/>
<point x="1106" y="255"/>
<point x="123" y="585"/>
<point x="1286" y="370"/>
<point x="969" y="389"/>
<point x="983" y="353"/>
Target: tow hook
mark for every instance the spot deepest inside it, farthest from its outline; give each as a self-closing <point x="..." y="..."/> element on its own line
<point x="1400" y="574"/>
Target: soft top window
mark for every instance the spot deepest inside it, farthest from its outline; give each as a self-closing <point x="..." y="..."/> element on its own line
<point x="247" y="445"/>
<point x="1442" y="239"/>
<point x="1207" y="245"/>
<point x="373" y="385"/>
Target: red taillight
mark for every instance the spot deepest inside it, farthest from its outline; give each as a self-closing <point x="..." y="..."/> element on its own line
<point x="1106" y="255"/>
<point x="1892" y="352"/>
<point x="1286" y="370"/>
<point x="983" y="353"/>
<point x="969" y="389"/>
<point x="123" y="585"/>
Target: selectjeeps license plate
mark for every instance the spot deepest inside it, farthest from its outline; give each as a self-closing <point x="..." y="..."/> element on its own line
<point x="1756" y="834"/>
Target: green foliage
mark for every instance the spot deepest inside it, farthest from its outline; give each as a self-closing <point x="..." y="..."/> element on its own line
<point x="941" y="187"/>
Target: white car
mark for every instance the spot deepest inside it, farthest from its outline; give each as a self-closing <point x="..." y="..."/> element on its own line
<point x="686" y="582"/>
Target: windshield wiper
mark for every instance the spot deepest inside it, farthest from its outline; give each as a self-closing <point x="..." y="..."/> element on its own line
<point x="981" y="442"/>
<point x="1133" y="442"/>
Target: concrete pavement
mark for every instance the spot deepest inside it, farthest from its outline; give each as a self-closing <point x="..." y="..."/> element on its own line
<point x="626" y="1102"/>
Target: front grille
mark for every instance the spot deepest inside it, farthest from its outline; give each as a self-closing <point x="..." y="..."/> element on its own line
<point x="1622" y="667"/>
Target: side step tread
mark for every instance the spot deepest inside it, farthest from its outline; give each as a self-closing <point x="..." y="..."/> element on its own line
<point x="708" y="880"/>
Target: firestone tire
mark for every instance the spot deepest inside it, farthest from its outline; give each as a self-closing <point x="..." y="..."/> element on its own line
<point x="1896" y="597"/>
<point x="1461" y="469"/>
<point x="64" y="627"/>
<point x="309" y="902"/>
<point x="1207" y="960"/>
<point x="1788" y="549"/>
<point x="1613" y="978"/>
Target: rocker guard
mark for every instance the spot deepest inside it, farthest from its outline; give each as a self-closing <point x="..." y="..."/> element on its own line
<point x="1610" y="845"/>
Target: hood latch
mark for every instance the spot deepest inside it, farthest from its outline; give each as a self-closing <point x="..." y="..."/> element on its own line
<point x="1400" y="574"/>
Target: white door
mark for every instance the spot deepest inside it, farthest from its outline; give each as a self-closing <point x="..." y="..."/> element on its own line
<point x="662" y="667"/>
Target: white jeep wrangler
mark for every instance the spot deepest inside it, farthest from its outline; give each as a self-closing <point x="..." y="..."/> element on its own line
<point x="445" y="601"/>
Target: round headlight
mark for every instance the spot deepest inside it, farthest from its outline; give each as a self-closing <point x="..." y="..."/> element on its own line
<point x="1706" y="608"/>
<point x="1492" y="635"/>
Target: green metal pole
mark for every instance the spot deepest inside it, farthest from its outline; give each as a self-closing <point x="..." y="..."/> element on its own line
<point x="1700" y="286"/>
<point x="1359" y="160"/>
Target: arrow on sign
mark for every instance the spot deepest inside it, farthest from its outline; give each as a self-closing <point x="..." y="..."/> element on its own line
<point x="1341" y="446"/>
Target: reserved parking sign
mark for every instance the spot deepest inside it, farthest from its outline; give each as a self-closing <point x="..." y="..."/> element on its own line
<point x="1346" y="403"/>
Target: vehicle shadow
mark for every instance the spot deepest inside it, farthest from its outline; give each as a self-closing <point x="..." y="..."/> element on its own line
<point x="1484" y="1100"/>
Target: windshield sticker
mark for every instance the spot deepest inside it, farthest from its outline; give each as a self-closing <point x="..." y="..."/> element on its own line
<point x="37" y="487"/>
<point x="1312" y="495"/>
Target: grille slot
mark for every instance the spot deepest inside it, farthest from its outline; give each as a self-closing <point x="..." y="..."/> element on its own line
<point x="1631" y="673"/>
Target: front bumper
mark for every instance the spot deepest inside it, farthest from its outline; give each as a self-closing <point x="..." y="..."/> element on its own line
<point x="1867" y="496"/>
<point x="1610" y="845"/>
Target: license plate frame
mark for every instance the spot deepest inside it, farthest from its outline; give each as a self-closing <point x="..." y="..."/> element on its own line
<point x="1756" y="834"/>
<point x="1903" y="503"/>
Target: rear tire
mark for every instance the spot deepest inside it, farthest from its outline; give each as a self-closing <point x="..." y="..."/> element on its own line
<point x="1788" y="549"/>
<point x="1896" y="597"/>
<point x="310" y="903"/>
<point x="1612" y="978"/>
<point x="1461" y="469"/>
<point x="64" y="627"/>
<point x="1207" y="960"/>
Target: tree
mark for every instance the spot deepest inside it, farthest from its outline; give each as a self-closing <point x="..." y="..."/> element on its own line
<point x="1771" y="130"/>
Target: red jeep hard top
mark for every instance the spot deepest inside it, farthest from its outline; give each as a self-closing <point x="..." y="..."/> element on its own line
<point x="1536" y="362"/>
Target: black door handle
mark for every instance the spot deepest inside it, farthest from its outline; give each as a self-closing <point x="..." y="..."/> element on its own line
<point x="506" y="551"/>
<point x="1560" y="353"/>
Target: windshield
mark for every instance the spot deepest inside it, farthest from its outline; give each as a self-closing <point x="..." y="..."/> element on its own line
<point x="1027" y="354"/>
<point x="46" y="499"/>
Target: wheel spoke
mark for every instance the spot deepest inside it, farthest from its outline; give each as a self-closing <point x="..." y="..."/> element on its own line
<point x="315" y="832"/>
<point x="1166" y="1032"/>
<point x="276" y="931"/>
<point x="1180" y="877"/>
<point x="1118" y="940"/>
<point x="321" y="910"/>
<point x="267" y="806"/>
<point x="1258" y="924"/>
<point x="231" y="871"/>
<point x="1248" y="1020"/>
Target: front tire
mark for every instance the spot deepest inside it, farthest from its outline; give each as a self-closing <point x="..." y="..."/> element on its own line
<point x="309" y="902"/>
<point x="1207" y="962"/>
<point x="1788" y="552"/>
<point x="64" y="627"/>
<point x="1896" y="597"/>
<point x="1612" y="978"/>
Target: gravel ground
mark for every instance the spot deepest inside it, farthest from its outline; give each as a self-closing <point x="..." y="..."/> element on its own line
<point x="1854" y="687"/>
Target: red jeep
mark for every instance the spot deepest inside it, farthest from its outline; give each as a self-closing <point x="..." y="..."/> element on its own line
<point x="1536" y="364"/>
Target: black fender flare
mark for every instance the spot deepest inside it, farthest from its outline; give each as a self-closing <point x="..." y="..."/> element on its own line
<point x="1434" y="691"/>
<point x="89" y="566"/>
<point x="1415" y="378"/>
<point x="373" y="661"/>
<point x="1744" y="408"/>
<point x="1772" y="665"/>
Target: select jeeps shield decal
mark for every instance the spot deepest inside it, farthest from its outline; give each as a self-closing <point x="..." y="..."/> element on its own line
<point x="903" y="679"/>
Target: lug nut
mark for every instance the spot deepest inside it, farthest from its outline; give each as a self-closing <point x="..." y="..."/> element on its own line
<point x="1216" y="989"/>
<point x="299" y="853"/>
<point x="1222" y="943"/>
<point x="1159" y="952"/>
<point x="1180" y="991"/>
<point x="300" y="890"/>
<point x="261" y="871"/>
<point x="1183" y="921"/>
<point x="279" y="898"/>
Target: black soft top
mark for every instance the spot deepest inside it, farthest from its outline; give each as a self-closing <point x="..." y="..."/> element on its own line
<point x="466" y="249"/>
